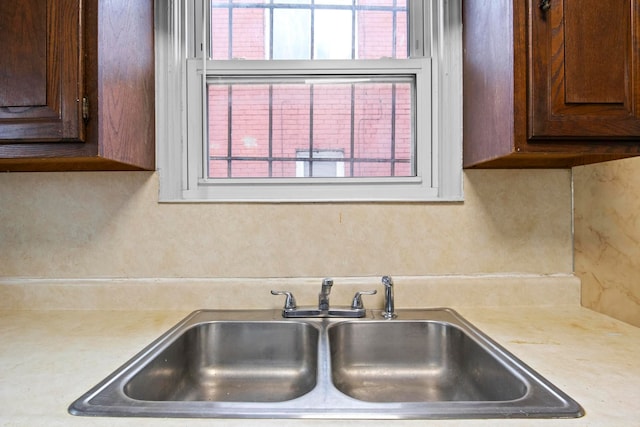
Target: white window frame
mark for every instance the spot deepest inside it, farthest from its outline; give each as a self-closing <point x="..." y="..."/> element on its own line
<point x="181" y="110"/>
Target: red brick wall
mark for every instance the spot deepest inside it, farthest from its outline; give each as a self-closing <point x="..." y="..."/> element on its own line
<point x="291" y="117"/>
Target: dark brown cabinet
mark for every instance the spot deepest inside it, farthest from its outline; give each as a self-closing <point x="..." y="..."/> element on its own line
<point x="551" y="83"/>
<point x="76" y="85"/>
<point x="41" y="83"/>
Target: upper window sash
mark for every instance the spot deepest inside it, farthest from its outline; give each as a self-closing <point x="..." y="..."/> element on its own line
<point x="419" y="43"/>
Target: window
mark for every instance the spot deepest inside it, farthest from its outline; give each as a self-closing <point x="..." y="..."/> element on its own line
<point x="367" y="92"/>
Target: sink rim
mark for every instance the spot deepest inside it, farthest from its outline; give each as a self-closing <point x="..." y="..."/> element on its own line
<point x="107" y="398"/>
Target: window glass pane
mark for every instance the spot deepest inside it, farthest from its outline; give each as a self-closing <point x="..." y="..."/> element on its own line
<point x="249" y="168"/>
<point x="402" y="40"/>
<point x="296" y="29"/>
<point x="220" y="33"/>
<point x="403" y="125"/>
<point x="237" y="32"/>
<point x="332" y="30"/>
<point x="218" y="113"/>
<point x="322" y="164"/>
<point x="355" y="126"/>
<point x="335" y="2"/>
<point x="378" y="112"/>
<point x="291" y="36"/>
<point x="385" y="3"/>
<point x="248" y="28"/>
<point x="291" y="109"/>
<point x="380" y="36"/>
<point x="332" y="119"/>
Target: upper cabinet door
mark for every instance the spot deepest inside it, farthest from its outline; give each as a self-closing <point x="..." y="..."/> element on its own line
<point x="40" y="71"/>
<point x="585" y="79"/>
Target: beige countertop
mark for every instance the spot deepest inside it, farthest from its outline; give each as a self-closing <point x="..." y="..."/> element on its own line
<point x="49" y="358"/>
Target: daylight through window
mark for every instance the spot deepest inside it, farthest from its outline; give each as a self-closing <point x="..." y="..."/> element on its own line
<point x="257" y="127"/>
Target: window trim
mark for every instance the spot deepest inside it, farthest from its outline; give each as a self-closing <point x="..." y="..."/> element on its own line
<point x="180" y="179"/>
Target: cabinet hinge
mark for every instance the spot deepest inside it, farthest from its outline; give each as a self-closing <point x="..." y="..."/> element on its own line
<point x="85" y="108"/>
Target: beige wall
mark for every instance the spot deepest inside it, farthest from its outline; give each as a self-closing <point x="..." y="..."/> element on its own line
<point x="607" y="237"/>
<point x="88" y="225"/>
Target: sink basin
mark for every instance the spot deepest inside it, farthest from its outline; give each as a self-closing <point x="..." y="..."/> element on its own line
<point x="424" y="364"/>
<point x="417" y="361"/>
<point x="232" y="361"/>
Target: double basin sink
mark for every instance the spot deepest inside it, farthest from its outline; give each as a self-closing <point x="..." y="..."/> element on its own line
<point x="423" y="364"/>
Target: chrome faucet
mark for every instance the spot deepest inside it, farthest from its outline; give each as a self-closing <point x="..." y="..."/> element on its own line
<point x="323" y="296"/>
<point x="291" y="309"/>
<point x="389" y="308"/>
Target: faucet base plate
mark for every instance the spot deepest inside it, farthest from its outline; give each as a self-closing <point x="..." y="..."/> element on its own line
<point x="303" y="312"/>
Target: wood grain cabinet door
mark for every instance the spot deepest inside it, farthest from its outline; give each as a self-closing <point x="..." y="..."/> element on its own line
<point x="585" y="77"/>
<point x="41" y="82"/>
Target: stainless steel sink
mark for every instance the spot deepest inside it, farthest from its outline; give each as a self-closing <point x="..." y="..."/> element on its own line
<point x="232" y="362"/>
<point x="255" y="364"/>
<point x="417" y="361"/>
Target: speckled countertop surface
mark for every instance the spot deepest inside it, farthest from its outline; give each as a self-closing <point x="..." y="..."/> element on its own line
<point x="49" y="358"/>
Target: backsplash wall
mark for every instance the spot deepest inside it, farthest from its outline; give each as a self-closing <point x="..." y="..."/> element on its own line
<point x="109" y="224"/>
<point x="607" y="237"/>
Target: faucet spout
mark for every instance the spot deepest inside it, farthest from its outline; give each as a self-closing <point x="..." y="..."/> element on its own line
<point x="323" y="297"/>
<point x="389" y="307"/>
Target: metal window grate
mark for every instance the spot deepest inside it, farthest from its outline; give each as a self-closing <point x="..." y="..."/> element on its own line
<point x="256" y="129"/>
<point x="376" y="143"/>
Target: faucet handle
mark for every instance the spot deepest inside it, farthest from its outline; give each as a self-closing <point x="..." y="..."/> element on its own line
<point x="357" y="299"/>
<point x="289" y="302"/>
